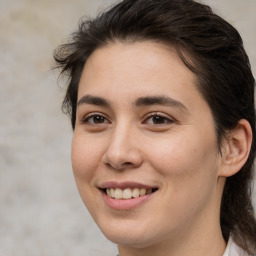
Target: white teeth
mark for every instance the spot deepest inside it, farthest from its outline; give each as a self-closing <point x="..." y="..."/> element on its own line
<point x="108" y="191"/>
<point x="118" y="193"/>
<point x="142" y="191"/>
<point x="127" y="193"/>
<point x="112" y="192"/>
<point x="135" y="192"/>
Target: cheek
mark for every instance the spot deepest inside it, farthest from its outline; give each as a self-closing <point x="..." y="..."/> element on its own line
<point x="85" y="160"/>
<point x="188" y="168"/>
<point x="184" y="157"/>
<point x="85" y="157"/>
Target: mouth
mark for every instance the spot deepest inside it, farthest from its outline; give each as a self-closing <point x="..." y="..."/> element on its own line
<point x="127" y="193"/>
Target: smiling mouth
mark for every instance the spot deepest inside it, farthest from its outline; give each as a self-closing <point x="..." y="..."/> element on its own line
<point x="128" y="193"/>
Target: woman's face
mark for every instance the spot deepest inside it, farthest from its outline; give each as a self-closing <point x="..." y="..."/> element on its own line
<point x="144" y="152"/>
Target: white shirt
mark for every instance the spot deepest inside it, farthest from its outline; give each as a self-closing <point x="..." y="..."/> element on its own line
<point x="233" y="249"/>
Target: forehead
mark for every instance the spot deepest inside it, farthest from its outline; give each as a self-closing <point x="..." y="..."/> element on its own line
<point x="133" y="64"/>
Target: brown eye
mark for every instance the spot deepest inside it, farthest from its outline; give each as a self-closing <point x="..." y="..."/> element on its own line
<point x="95" y="119"/>
<point x="98" y="119"/>
<point x="158" y="120"/>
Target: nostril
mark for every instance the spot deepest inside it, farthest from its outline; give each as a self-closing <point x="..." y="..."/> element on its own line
<point x="119" y="166"/>
<point x="127" y="163"/>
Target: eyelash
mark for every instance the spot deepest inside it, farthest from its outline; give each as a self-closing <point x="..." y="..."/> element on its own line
<point x="86" y="120"/>
<point x="165" y="119"/>
<point x="102" y="120"/>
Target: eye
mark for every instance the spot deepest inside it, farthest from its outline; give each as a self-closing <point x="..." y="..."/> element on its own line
<point x="158" y="119"/>
<point x="95" y="119"/>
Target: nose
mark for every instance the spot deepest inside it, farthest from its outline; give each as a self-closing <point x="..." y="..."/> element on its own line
<point x="123" y="150"/>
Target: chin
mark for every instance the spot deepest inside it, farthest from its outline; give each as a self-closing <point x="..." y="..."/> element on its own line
<point x="130" y="240"/>
<point x="129" y="236"/>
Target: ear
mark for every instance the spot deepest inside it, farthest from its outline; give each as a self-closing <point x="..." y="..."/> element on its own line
<point x="236" y="149"/>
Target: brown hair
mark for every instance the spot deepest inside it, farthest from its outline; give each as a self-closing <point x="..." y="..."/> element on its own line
<point x="217" y="57"/>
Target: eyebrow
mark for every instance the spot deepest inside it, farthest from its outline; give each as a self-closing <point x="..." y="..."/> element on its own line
<point x="142" y="101"/>
<point x="93" y="100"/>
<point x="160" y="100"/>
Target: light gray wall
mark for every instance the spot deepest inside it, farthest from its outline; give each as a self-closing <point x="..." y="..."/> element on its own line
<point x="40" y="209"/>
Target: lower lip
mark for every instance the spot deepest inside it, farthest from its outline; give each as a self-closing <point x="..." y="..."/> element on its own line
<point x="125" y="204"/>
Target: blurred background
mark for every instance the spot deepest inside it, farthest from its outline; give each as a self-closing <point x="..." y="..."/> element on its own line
<point x="41" y="212"/>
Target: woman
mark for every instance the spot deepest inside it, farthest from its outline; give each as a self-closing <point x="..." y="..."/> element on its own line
<point x="161" y="99"/>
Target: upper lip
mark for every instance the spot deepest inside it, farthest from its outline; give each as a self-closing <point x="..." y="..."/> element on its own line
<point x="123" y="185"/>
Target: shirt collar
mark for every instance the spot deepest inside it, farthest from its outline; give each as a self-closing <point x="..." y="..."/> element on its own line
<point x="233" y="249"/>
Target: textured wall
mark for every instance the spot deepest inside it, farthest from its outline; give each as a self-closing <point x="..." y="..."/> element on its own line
<point x="40" y="209"/>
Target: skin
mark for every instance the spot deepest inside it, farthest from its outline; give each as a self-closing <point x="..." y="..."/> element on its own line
<point x="118" y="139"/>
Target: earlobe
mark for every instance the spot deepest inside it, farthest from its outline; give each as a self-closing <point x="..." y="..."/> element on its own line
<point x="237" y="147"/>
